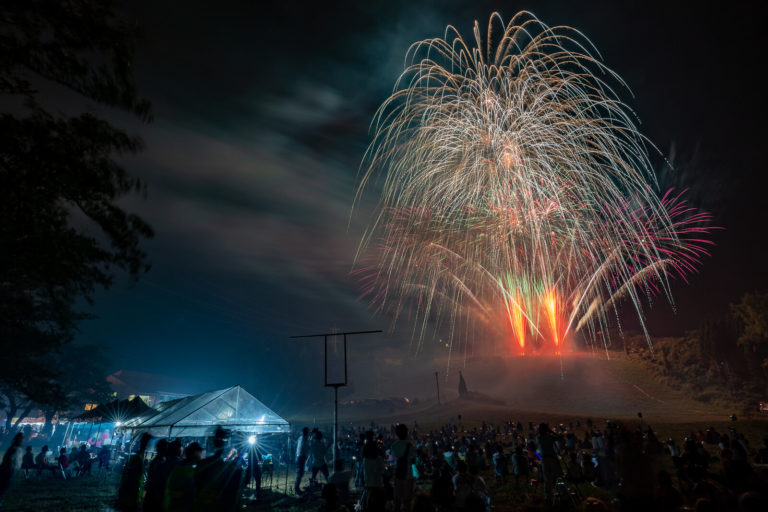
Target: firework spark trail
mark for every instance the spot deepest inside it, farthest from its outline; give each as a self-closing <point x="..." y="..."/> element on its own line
<point x="517" y="194"/>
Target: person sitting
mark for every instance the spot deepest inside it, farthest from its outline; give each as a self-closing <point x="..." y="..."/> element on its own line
<point x="41" y="462"/>
<point x="28" y="462"/>
<point x="341" y="478"/>
<point x="331" y="497"/>
<point x="83" y="460"/>
<point x="63" y="462"/>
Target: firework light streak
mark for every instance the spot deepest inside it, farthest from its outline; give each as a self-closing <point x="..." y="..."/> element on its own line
<point x="517" y="195"/>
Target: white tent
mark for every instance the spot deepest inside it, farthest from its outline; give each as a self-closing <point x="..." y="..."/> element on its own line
<point x="233" y="409"/>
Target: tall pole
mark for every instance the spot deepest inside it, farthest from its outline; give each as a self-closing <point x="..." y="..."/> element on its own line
<point x="335" y="385"/>
<point x="437" y="383"/>
<point x="335" y="423"/>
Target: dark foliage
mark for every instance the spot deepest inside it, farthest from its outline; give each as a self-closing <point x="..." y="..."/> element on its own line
<point x="62" y="232"/>
<point x="725" y="361"/>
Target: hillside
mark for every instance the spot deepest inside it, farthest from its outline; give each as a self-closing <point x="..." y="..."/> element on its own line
<point x="576" y="386"/>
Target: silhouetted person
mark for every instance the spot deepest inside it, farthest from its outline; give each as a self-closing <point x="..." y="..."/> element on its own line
<point x="462" y="484"/>
<point x="132" y="480"/>
<point x="63" y="461"/>
<point x="41" y="462"/>
<point x="217" y="483"/>
<point x="28" y="462"/>
<point x="253" y="472"/>
<point x="442" y="487"/>
<point x="550" y="465"/>
<point x="11" y="462"/>
<point x="104" y="457"/>
<point x="180" y="487"/>
<point x="403" y="452"/>
<point x="341" y="478"/>
<point x="302" y="452"/>
<point x="499" y="464"/>
<point x="173" y="457"/>
<point x="373" y="475"/>
<point x="331" y="497"/>
<point x="155" y="484"/>
<point x="84" y="460"/>
<point x="317" y="462"/>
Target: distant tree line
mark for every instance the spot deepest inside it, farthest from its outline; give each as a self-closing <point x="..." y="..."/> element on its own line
<point x="64" y="66"/>
<point x="724" y="361"/>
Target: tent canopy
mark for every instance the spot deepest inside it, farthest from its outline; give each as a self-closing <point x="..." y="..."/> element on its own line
<point x="112" y="412"/>
<point x="198" y="416"/>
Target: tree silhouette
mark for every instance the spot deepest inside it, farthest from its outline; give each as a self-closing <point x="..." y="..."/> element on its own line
<point x="62" y="232"/>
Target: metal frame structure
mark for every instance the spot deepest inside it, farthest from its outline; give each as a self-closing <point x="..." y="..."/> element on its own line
<point x="335" y="385"/>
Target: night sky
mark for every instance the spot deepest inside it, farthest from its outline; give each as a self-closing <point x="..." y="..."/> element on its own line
<point x="261" y="122"/>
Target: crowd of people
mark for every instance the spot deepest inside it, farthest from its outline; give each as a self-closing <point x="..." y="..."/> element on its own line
<point x="180" y="478"/>
<point x="449" y="469"/>
<point x="457" y="469"/>
<point x="79" y="461"/>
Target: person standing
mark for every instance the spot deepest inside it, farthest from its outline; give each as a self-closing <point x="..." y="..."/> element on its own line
<point x="180" y="486"/>
<point x="28" y="462"/>
<point x="11" y="462"/>
<point x="317" y="451"/>
<point x="500" y="465"/>
<point x="129" y="495"/>
<point x="253" y="470"/>
<point x="403" y="452"/>
<point x="550" y="464"/>
<point x="302" y="451"/>
<point x="217" y="482"/>
<point x="373" y="498"/>
<point x="155" y="486"/>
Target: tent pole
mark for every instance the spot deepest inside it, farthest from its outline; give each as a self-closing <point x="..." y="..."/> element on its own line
<point x="66" y="433"/>
<point x="287" y="461"/>
<point x="69" y="436"/>
<point x="97" y="432"/>
<point x="89" y="433"/>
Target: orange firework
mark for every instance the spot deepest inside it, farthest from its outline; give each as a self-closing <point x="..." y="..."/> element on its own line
<point x="551" y="305"/>
<point x="517" y="321"/>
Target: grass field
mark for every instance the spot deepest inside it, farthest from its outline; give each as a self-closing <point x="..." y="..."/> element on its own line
<point x="87" y="494"/>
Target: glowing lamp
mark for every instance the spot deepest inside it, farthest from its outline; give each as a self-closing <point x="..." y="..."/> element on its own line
<point x="251" y="439"/>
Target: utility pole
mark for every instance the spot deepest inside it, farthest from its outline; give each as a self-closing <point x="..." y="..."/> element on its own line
<point x="335" y="385"/>
<point x="437" y="383"/>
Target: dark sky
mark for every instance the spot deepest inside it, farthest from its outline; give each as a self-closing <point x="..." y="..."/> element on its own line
<point x="261" y="121"/>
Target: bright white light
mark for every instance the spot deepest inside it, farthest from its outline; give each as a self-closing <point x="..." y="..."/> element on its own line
<point x="251" y="439"/>
<point x="118" y="423"/>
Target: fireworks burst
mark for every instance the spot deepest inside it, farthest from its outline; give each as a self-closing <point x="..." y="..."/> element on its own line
<point x="517" y="195"/>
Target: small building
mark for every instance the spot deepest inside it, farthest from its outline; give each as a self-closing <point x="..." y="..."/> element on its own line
<point x="152" y="388"/>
